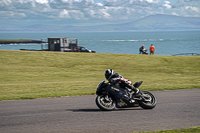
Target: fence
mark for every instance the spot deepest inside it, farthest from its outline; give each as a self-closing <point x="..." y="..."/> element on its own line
<point x="184" y="54"/>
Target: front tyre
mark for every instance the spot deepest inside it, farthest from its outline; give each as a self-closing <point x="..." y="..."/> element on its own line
<point x="149" y="101"/>
<point x="105" y="102"/>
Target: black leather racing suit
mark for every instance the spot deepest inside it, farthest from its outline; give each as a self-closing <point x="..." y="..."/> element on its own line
<point x="123" y="83"/>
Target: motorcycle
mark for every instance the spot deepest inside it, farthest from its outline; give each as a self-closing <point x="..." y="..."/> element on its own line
<point x="111" y="96"/>
<point x="144" y="51"/>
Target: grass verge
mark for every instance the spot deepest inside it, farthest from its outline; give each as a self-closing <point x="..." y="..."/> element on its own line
<point x="31" y="74"/>
<point x="188" y="130"/>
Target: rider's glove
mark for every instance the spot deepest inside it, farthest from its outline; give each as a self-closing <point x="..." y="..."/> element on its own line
<point x="114" y="80"/>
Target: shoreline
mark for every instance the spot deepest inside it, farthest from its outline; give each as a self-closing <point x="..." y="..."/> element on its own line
<point x="19" y="41"/>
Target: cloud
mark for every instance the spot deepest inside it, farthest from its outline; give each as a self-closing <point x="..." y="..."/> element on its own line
<point x="42" y="1"/>
<point x="88" y="10"/>
<point x="11" y="14"/>
<point x="167" y="4"/>
<point x="76" y="14"/>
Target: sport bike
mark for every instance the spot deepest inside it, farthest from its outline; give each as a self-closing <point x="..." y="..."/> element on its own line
<point x="111" y="96"/>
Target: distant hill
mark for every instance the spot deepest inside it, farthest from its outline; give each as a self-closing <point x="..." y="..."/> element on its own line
<point x="165" y="22"/>
<point x="157" y="22"/>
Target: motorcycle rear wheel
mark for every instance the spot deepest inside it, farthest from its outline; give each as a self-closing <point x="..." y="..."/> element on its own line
<point x="148" y="104"/>
<point x="105" y="102"/>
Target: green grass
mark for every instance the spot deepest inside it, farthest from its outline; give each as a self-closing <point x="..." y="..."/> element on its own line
<point x="188" y="130"/>
<point x="30" y="74"/>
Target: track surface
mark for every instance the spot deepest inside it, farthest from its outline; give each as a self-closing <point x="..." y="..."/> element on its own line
<point x="79" y="114"/>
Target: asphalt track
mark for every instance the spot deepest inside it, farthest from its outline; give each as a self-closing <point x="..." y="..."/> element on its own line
<point x="79" y="114"/>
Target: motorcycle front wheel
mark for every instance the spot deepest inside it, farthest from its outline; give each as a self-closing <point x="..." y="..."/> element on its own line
<point x="105" y="102"/>
<point x="149" y="102"/>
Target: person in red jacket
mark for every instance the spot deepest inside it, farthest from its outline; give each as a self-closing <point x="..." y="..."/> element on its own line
<point x="152" y="49"/>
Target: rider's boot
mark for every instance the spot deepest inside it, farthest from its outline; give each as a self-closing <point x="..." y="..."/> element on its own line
<point x="133" y="92"/>
<point x="136" y="93"/>
<point x="129" y="94"/>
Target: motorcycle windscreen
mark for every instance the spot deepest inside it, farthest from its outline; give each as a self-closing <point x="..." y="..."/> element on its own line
<point x="137" y="84"/>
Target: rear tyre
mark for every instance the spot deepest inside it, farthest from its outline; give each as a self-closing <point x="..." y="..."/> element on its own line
<point x="150" y="101"/>
<point x="105" y="102"/>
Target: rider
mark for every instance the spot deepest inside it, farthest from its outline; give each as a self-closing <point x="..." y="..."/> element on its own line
<point x="123" y="83"/>
<point x="141" y="49"/>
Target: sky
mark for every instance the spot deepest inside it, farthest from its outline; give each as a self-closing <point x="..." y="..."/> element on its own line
<point x="90" y="12"/>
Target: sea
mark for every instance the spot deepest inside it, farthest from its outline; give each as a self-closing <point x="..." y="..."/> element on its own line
<point x="166" y="43"/>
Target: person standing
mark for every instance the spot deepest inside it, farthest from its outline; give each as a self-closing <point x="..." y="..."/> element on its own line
<point x="152" y="49"/>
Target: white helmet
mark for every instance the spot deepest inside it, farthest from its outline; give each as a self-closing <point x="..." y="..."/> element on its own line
<point x="109" y="73"/>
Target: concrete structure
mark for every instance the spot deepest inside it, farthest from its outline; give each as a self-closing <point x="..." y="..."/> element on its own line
<point x="62" y="44"/>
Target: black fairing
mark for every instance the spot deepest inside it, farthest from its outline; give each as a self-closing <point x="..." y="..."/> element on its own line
<point x="117" y="93"/>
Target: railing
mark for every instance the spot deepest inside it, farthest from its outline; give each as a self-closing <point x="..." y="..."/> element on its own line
<point x="184" y="54"/>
